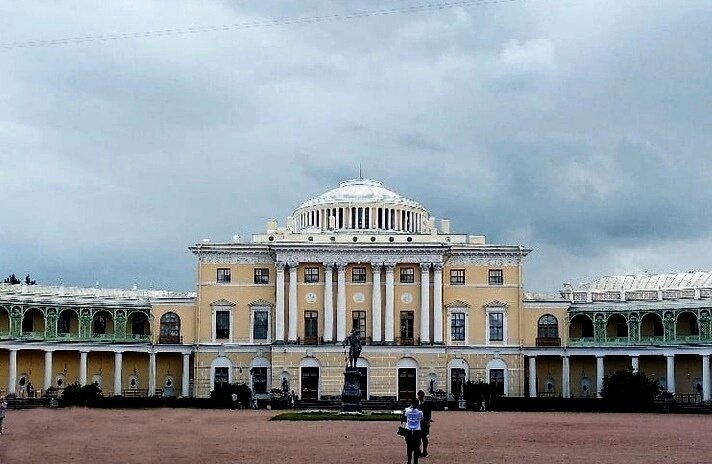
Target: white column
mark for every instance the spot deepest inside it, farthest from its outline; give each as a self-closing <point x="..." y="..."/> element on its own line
<point x="341" y="303"/>
<point x="424" y="303"/>
<point x="670" y="373"/>
<point x="376" y="304"/>
<point x="279" y="305"/>
<point x="532" y="376"/>
<point x="438" y="303"/>
<point x="48" y="369"/>
<point x="118" y="360"/>
<point x="635" y="363"/>
<point x="706" y="393"/>
<point x="83" y="355"/>
<point x="12" y="373"/>
<point x="152" y="373"/>
<point x="565" y="377"/>
<point x="599" y="374"/>
<point x="328" y="303"/>
<point x="292" y="302"/>
<point x="388" y="320"/>
<point x="185" y="382"/>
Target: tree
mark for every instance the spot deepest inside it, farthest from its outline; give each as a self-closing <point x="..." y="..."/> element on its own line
<point x="13" y="280"/>
<point x="222" y="395"/>
<point x="81" y="395"/>
<point x="477" y="392"/>
<point x="628" y="390"/>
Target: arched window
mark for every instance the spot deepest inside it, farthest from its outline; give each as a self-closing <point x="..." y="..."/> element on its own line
<point x="548" y="327"/>
<point x="170" y="328"/>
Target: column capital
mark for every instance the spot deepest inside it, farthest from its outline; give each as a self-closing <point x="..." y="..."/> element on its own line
<point x="390" y="267"/>
<point x="328" y="265"/>
<point x="292" y="265"/>
<point x="438" y="267"/>
<point x="424" y="267"/>
<point x="376" y="266"/>
<point x="279" y="265"/>
<point x="341" y="267"/>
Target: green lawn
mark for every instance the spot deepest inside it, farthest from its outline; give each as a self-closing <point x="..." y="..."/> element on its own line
<point x="335" y="416"/>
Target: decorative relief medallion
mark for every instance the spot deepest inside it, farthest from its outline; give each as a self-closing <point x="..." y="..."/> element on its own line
<point x="407" y="298"/>
<point x="359" y="298"/>
<point x="310" y="297"/>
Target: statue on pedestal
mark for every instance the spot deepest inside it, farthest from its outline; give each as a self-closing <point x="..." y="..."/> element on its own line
<point x="353" y="341"/>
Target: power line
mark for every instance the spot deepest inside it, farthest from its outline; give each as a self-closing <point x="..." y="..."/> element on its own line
<point x="252" y="25"/>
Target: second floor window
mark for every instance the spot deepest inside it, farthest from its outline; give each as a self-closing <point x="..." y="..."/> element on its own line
<point x="496" y="277"/>
<point x="496" y="327"/>
<point x="311" y="327"/>
<point x="359" y="323"/>
<point x="457" y="277"/>
<point x="358" y="275"/>
<point x="457" y="327"/>
<point x="222" y="325"/>
<point x="407" y="275"/>
<point x="223" y="275"/>
<point x="311" y="274"/>
<point x="259" y="330"/>
<point x="261" y="276"/>
<point x="406" y="327"/>
<point x="548" y="327"/>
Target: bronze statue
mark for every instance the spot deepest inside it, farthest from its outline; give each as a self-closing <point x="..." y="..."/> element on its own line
<point x="353" y="341"/>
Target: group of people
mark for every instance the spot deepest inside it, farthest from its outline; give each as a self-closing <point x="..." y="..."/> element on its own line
<point x="417" y="418"/>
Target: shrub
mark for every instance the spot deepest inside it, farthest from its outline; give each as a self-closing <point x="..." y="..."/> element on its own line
<point x="222" y="394"/>
<point x="81" y="395"/>
<point x="628" y="390"/>
<point x="475" y="393"/>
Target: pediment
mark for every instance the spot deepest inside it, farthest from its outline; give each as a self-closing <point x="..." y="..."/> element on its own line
<point x="496" y="304"/>
<point x="222" y="302"/>
<point x="261" y="302"/>
<point x="457" y="304"/>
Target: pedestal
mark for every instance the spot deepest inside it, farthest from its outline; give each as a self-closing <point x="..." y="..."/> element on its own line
<point x="351" y="395"/>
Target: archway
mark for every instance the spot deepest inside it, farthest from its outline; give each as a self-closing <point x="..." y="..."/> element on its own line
<point x="651" y="327"/>
<point x="102" y="325"/>
<point x="581" y="327"/>
<point x="67" y="323"/>
<point x="407" y="374"/>
<point x="33" y="323"/>
<point x="363" y="366"/>
<point x="616" y="327"/>
<point x="687" y="325"/>
<point x="137" y="326"/>
<point x="4" y="321"/>
<point x="220" y="372"/>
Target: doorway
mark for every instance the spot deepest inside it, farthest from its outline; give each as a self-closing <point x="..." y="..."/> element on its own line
<point x="310" y="383"/>
<point x="406" y="383"/>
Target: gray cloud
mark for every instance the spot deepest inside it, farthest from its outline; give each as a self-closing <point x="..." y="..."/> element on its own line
<point x="581" y="130"/>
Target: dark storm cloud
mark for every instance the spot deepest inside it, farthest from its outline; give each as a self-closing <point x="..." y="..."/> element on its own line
<point x="579" y="129"/>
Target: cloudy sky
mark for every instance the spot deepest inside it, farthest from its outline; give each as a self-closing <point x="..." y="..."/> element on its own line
<point x="581" y="129"/>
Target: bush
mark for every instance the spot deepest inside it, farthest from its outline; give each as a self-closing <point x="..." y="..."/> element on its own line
<point x="628" y="390"/>
<point x="81" y="395"/>
<point x="475" y="393"/>
<point x="222" y="395"/>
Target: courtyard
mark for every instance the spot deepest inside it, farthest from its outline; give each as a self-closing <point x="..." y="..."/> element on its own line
<point x="80" y="435"/>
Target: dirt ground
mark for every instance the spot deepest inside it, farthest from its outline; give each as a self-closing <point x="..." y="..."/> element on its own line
<point x="79" y="435"/>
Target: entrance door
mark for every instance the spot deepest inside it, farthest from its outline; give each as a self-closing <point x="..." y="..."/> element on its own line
<point x="363" y="382"/>
<point x="310" y="383"/>
<point x="406" y="383"/>
<point x="457" y="383"/>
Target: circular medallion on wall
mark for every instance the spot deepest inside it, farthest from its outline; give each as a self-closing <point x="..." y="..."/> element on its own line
<point x="358" y="297"/>
<point x="407" y="298"/>
<point x="310" y="297"/>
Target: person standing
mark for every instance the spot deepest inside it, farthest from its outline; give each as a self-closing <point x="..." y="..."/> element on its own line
<point x="3" y="408"/>
<point x="427" y="409"/>
<point x="413" y="418"/>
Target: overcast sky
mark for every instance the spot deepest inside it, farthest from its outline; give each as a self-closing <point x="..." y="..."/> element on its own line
<point x="581" y="129"/>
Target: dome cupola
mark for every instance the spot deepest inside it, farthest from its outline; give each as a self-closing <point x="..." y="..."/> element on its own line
<point x="361" y="205"/>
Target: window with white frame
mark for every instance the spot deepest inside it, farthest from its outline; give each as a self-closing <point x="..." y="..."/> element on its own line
<point x="223" y="275"/>
<point x="457" y="277"/>
<point x="359" y="323"/>
<point x="457" y="327"/>
<point x="495" y="321"/>
<point x="496" y="277"/>
<point x="261" y="275"/>
<point x="311" y="275"/>
<point x="260" y="325"/>
<point x="222" y="325"/>
<point x="407" y="275"/>
<point x="358" y="275"/>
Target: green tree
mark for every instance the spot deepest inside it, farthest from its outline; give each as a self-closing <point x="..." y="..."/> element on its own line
<point x="628" y="390"/>
<point x="475" y="393"/>
<point x="80" y="395"/>
<point x="222" y="394"/>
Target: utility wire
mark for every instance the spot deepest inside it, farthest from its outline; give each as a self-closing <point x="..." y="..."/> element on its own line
<point x="252" y="25"/>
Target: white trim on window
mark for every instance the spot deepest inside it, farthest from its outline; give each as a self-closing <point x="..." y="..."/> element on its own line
<point x="459" y="310"/>
<point x="253" y="310"/>
<point x="222" y="305"/>
<point x="496" y="307"/>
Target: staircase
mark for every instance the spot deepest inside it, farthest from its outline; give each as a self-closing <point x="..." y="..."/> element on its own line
<point x="367" y="405"/>
<point x="27" y="403"/>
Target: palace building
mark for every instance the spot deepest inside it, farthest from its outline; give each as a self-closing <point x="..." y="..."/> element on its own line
<point x="433" y="308"/>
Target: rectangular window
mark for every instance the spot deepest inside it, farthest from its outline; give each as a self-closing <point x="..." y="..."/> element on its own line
<point x="407" y="275"/>
<point x="457" y="277"/>
<point x="222" y="324"/>
<point x="358" y="275"/>
<point x="497" y="381"/>
<point x="259" y="330"/>
<point x="223" y="275"/>
<point x="496" y="277"/>
<point x="259" y="379"/>
<point x="261" y="276"/>
<point x="406" y="328"/>
<point x="359" y="323"/>
<point x="222" y="377"/>
<point x="311" y="274"/>
<point x="496" y="327"/>
<point x="311" y="327"/>
<point x="457" y="327"/>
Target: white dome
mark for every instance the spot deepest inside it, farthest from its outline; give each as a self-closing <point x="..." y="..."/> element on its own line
<point x="361" y="204"/>
<point x="360" y="191"/>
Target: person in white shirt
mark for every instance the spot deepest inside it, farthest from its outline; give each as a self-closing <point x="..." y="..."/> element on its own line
<point x="3" y="408"/>
<point x="413" y="416"/>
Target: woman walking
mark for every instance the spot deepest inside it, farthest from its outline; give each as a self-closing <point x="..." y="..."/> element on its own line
<point x="413" y="416"/>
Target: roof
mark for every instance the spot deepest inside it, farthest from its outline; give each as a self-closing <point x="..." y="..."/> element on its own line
<point x="360" y="191"/>
<point x="700" y="279"/>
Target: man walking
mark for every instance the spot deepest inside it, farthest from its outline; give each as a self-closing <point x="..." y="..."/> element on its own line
<point x="427" y="410"/>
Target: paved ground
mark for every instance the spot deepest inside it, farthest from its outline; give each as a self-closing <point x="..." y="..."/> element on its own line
<point x="177" y="436"/>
